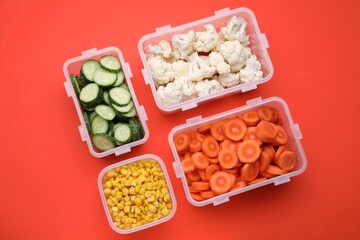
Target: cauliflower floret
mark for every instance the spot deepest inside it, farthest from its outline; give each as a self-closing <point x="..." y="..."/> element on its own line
<point x="217" y="60"/>
<point x="188" y="87"/>
<point x="252" y="71"/>
<point x="170" y="94"/>
<point x="207" y="40"/>
<point x="206" y="87"/>
<point x="180" y="69"/>
<point x="161" y="71"/>
<point x="229" y="80"/>
<point x="184" y="43"/>
<point x="235" y="54"/>
<point x="163" y="48"/>
<point x="235" y="30"/>
<point x="200" y="67"/>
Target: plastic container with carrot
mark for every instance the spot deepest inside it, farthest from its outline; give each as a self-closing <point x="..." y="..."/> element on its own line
<point x="237" y="151"/>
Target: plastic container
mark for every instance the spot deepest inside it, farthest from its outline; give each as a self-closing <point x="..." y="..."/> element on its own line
<point x="126" y="162"/>
<point x="294" y="137"/>
<point x="73" y="66"/>
<point x="258" y="45"/>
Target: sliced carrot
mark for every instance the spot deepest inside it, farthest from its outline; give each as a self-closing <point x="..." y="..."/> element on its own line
<point x="187" y="154"/>
<point x="199" y="136"/>
<point x="287" y="160"/>
<point x="187" y="165"/>
<point x="275" y="170"/>
<point x="193" y="175"/>
<point x="274" y="115"/>
<point x="270" y="149"/>
<point x="227" y="143"/>
<point x="200" y="185"/>
<point x="203" y="175"/>
<point x="234" y="170"/>
<point x="251" y="135"/>
<point x="266" y="131"/>
<point x="227" y="158"/>
<point x="248" y="151"/>
<point x="205" y="128"/>
<point x="238" y="184"/>
<point x="192" y="135"/>
<point x="281" y="136"/>
<point x="193" y="190"/>
<point x="217" y="130"/>
<point x="220" y="182"/>
<point x="207" y="194"/>
<point x="211" y="169"/>
<point x="182" y="142"/>
<point x="267" y="175"/>
<point x="210" y="147"/>
<point x="233" y="179"/>
<point x="213" y="160"/>
<point x="264" y="160"/>
<point x="257" y="180"/>
<point x="265" y="113"/>
<point x="279" y="151"/>
<point x="195" y="146"/>
<point x="279" y="121"/>
<point x="251" y="118"/>
<point x="234" y="129"/>
<point x="199" y="160"/>
<point x="188" y="181"/>
<point x="196" y="196"/>
<point x="250" y="171"/>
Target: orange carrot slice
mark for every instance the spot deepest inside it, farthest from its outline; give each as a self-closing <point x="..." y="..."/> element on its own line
<point x="207" y="194"/>
<point x="251" y="118"/>
<point x="211" y="169"/>
<point x="210" y="147"/>
<point x="275" y="170"/>
<point x="182" y="142"/>
<point x="265" y="113"/>
<point x="248" y="151"/>
<point x="250" y="171"/>
<point x="238" y="184"/>
<point x="196" y="196"/>
<point x="281" y="136"/>
<point x="257" y="180"/>
<point x="267" y="175"/>
<point x="251" y="135"/>
<point x="195" y="146"/>
<point x="199" y="160"/>
<point x="270" y="149"/>
<point x="199" y="136"/>
<point x="234" y="129"/>
<point x="217" y="130"/>
<point x="279" y="151"/>
<point x="187" y="165"/>
<point x="193" y="176"/>
<point x="213" y="160"/>
<point x="287" y="160"/>
<point x="205" y="128"/>
<point x="200" y="185"/>
<point x="264" y="160"/>
<point x="192" y="190"/>
<point x="227" y="158"/>
<point x="203" y="175"/>
<point x="227" y="143"/>
<point x="274" y="115"/>
<point x="220" y="182"/>
<point x="266" y="131"/>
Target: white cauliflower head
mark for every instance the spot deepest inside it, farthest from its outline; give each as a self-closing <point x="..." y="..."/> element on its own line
<point x="217" y="60"/>
<point x="235" y="54"/>
<point x="207" y="40"/>
<point x="235" y="30"/>
<point x="207" y="87"/>
<point x="163" y="48"/>
<point x="180" y="69"/>
<point x="170" y="94"/>
<point x="252" y="70"/>
<point x="161" y="71"/>
<point x="229" y="80"/>
<point x="183" y="43"/>
<point x="200" y="66"/>
<point x="188" y="87"/>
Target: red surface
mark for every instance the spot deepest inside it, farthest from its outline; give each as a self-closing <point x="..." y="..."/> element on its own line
<point x="48" y="177"/>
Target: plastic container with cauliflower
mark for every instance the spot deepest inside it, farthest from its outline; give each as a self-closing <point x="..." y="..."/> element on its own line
<point x="205" y="60"/>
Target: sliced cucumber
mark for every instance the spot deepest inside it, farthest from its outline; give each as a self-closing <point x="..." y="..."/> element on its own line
<point x="122" y="133"/>
<point x="137" y="130"/>
<point x="90" y="95"/>
<point x="119" y="96"/>
<point x="105" y="112"/>
<point x="87" y="121"/>
<point x="125" y="86"/>
<point x="92" y="115"/>
<point x="131" y="113"/>
<point x="75" y="84"/>
<point x="110" y="63"/>
<point x="123" y="109"/>
<point x="88" y="69"/>
<point x="106" y="98"/>
<point x="99" y="125"/>
<point x="104" y="78"/>
<point x="120" y="79"/>
<point x="103" y="142"/>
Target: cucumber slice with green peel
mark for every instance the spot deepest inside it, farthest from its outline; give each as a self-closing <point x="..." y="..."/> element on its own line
<point x="125" y="86"/>
<point x="122" y="133"/>
<point x="106" y="98"/>
<point x="99" y="125"/>
<point x="120" y="79"/>
<point x="123" y="109"/>
<point x="75" y="84"/>
<point x="104" y="78"/>
<point x="90" y="95"/>
<point x="119" y="96"/>
<point x="87" y="121"/>
<point x="110" y="63"/>
<point x="103" y="142"/>
<point x="131" y="113"/>
<point x="113" y="127"/>
<point x="105" y="112"/>
<point x="137" y="130"/>
<point x="88" y="69"/>
<point x="92" y="115"/>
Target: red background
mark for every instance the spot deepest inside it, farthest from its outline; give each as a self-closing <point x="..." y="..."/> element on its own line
<point x="48" y="177"/>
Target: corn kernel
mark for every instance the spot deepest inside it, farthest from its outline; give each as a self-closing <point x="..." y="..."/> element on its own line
<point x="125" y="191"/>
<point x="165" y="211"/>
<point x="151" y="199"/>
<point x="127" y="209"/>
<point x="108" y="184"/>
<point x="107" y="191"/>
<point x="110" y="202"/>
